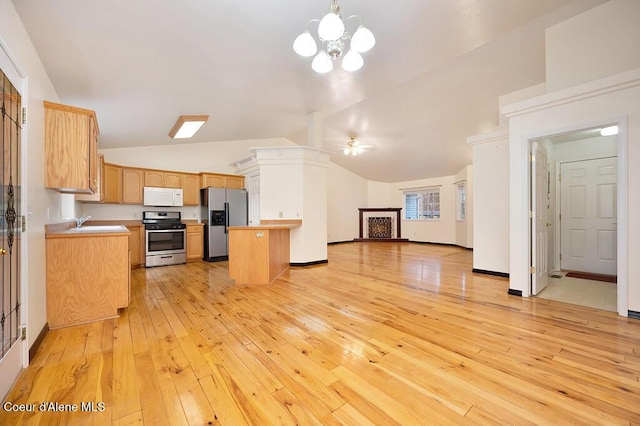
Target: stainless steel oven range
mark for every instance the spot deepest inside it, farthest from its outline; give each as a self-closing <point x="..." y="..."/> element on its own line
<point x="165" y="238"/>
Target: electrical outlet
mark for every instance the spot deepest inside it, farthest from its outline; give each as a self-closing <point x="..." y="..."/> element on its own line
<point x="280" y="214"/>
<point x="135" y="215"/>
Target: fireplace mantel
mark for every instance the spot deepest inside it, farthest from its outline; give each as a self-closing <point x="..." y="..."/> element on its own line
<point x="380" y="210"/>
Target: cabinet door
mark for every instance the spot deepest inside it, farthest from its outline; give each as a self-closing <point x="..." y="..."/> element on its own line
<point x="172" y="180"/>
<point x="195" y="242"/>
<point x="112" y="183"/>
<point x="98" y="196"/>
<point x="67" y="150"/>
<point x="93" y="156"/>
<point x="153" y="178"/>
<point x="134" y="246"/>
<point x="132" y="184"/>
<point x="190" y="190"/>
<point x="215" y="181"/>
<point x="234" y="182"/>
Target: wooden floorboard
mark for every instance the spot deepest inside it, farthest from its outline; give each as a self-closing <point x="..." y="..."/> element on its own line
<point x="384" y="334"/>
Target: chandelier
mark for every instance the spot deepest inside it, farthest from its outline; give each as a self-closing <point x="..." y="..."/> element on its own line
<point x="334" y="38"/>
<point x="353" y="147"/>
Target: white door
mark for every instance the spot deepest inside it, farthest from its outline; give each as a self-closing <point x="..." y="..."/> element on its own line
<point x="588" y="235"/>
<point x="540" y="198"/>
<point x="11" y="344"/>
<point x="254" y="200"/>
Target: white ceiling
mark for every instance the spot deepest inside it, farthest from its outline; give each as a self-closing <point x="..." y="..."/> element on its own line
<point x="432" y="79"/>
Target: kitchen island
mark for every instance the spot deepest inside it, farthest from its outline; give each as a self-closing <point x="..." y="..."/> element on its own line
<point x="88" y="274"/>
<point x="259" y="254"/>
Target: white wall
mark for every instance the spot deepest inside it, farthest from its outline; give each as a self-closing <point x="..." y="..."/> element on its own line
<point x="599" y="42"/>
<point x="441" y="230"/>
<point x="379" y="195"/>
<point x="42" y="205"/>
<point x="464" y="228"/>
<point x="346" y="193"/>
<point x="491" y="202"/>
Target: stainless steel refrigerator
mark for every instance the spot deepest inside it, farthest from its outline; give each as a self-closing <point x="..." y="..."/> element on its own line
<point x="221" y="208"/>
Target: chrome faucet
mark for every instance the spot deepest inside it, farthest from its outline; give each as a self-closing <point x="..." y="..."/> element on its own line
<point x="82" y="219"/>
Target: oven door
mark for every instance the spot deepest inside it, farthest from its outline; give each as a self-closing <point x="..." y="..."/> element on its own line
<point x="165" y="241"/>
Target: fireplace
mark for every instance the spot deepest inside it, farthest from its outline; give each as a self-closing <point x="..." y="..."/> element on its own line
<point x="379" y="227"/>
<point x="380" y="224"/>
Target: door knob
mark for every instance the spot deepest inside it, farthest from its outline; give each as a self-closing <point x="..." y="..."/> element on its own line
<point x="2" y="252"/>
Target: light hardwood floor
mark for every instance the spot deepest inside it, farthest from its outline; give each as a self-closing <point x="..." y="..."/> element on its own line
<point x="385" y="334"/>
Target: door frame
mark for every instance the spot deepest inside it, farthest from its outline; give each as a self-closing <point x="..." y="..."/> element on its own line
<point x="622" y="202"/>
<point x="20" y="80"/>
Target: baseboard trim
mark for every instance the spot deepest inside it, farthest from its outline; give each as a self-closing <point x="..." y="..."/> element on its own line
<point x="340" y="242"/>
<point x="494" y="273"/>
<point x="381" y="240"/>
<point x="441" y="244"/>
<point x="315" y="262"/>
<point x="633" y="314"/>
<point x="513" y="292"/>
<point x="36" y="344"/>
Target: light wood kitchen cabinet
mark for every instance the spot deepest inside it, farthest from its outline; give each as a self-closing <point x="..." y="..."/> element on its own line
<point x="195" y="241"/>
<point x="88" y="277"/>
<point x="162" y="179"/>
<point x="216" y="180"/>
<point x="191" y="189"/>
<point x="97" y="196"/>
<point x="136" y="245"/>
<point x="112" y="183"/>
<point x="71" y="149"/>
<point x="132" y="185"/>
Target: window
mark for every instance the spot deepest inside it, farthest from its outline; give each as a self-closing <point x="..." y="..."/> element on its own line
<point x="422" y="204"/>
<point x="461" y="201"/>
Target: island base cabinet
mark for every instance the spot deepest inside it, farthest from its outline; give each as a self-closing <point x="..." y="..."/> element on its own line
<point x="259" y="255"/>
<point x="87" y="279"/>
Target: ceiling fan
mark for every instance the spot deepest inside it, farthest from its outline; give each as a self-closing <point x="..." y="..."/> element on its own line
<point x="354" y="147"/>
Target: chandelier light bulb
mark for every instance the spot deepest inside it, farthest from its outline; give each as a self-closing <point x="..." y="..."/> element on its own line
<point x="362" y="40"/>
<point x="305" y="45"/>
<point x="331" y="27"/>
<point x="352" y="61"/>
<point x="322" y="63"/>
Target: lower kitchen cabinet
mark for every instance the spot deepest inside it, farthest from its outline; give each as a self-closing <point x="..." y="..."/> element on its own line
<point x="88" y="277"/>
<point x="136" y="245"/>
<point x="195" y="241"/>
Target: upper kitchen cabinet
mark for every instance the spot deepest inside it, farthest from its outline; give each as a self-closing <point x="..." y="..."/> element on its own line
<point x="71" y="149"/>
<point x="112" y="183"/>
<point x="162" y="179"/>
<point x="221" y="181"/>
<point x="132" y="185"/>
<point x="191" y="189"/>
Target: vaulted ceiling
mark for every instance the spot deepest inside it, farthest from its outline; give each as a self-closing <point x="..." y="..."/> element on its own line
<point x="432" y="79"/>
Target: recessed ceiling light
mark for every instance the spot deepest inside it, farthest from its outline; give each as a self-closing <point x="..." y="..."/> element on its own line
<point x="609" y="131"/>
<point x="187" y="126"/>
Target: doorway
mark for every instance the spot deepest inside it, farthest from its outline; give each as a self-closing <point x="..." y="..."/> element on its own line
<point x="580" y="218"/>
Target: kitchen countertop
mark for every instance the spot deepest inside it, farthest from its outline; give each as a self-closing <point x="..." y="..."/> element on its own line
<point x="89" y="231"/>
<point x="265" y="227"/>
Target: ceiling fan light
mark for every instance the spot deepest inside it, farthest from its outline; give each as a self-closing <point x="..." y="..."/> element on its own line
<point x="322" y="63"/>
<point x="346" y="151"/>
<point x="331" y="27"/>
<point x="362" y="40"/>
<point x="305" y="45"/>
<point x="352" y="61"/>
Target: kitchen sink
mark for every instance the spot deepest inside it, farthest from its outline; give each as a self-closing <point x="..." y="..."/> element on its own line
<point x="98" y="228"/>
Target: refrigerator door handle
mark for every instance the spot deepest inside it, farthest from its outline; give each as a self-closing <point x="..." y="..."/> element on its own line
<point x="226" y="217"/>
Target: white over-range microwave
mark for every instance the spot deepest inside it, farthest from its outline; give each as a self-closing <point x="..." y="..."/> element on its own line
<point x="162" y="197"/>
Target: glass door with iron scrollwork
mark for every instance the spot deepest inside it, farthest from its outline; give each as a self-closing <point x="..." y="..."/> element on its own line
<point x="10" y="129"/>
